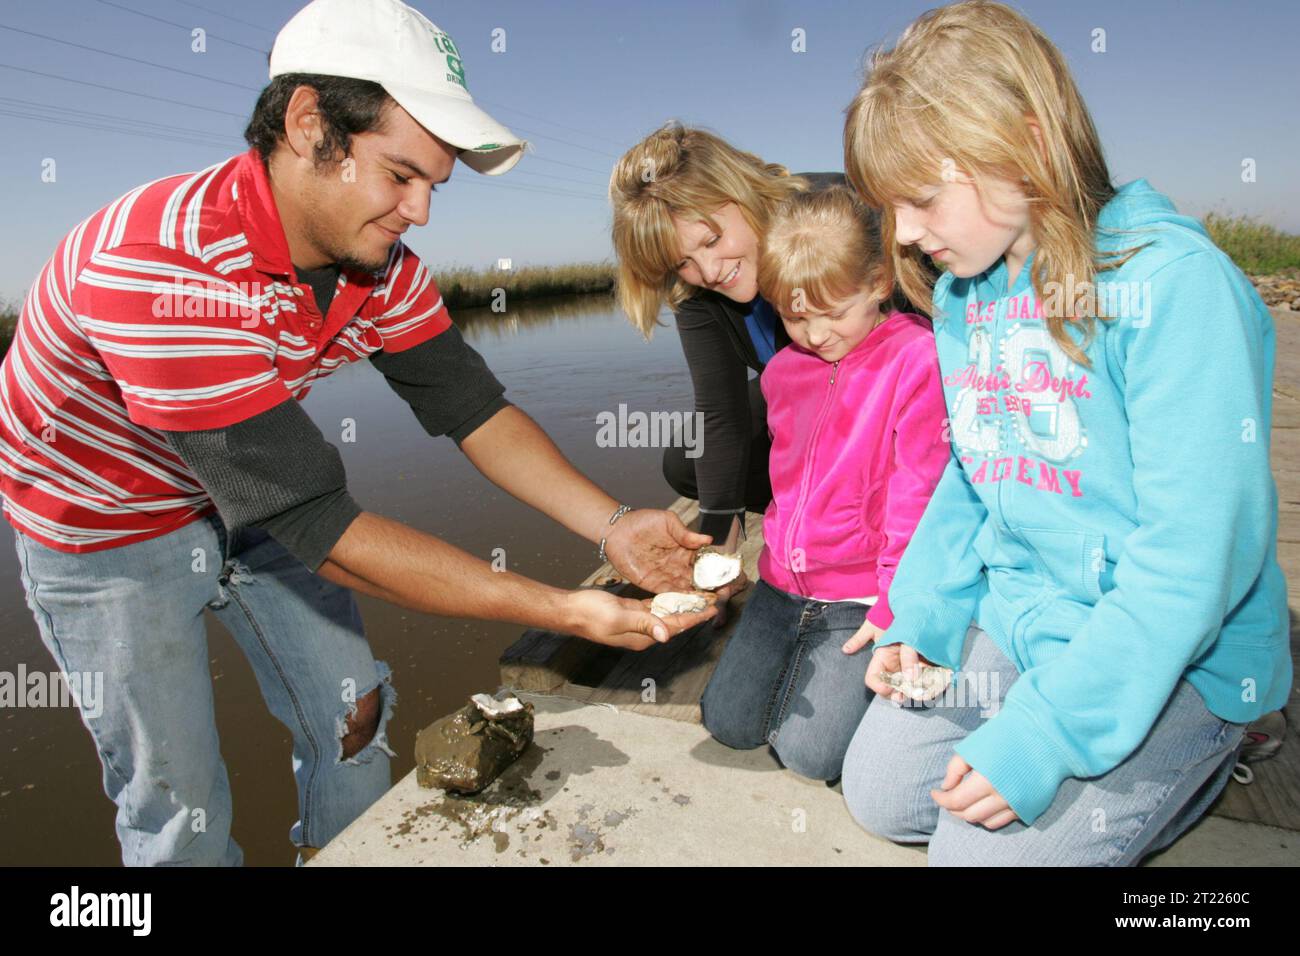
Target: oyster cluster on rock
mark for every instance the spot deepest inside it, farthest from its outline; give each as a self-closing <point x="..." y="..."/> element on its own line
<point x="468" y="749"/>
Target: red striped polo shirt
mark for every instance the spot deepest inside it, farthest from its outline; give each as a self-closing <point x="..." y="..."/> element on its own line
<point x="174" y="308"/>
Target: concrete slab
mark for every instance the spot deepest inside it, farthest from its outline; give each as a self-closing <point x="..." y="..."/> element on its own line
<point x="606" y="787"/>
<point x="603" y="787"/>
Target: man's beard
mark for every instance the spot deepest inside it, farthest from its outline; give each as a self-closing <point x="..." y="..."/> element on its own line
<point x="328" y="243"/>
<point x="357" y="265"/>
<point x="345" y="258"/>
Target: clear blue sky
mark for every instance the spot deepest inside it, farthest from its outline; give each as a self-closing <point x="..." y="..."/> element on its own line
<point x="1184" y="92"/>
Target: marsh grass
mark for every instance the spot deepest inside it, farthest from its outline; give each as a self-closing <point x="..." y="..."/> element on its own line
<point x="8" y="321"/>
<point x="465" y="288"/>
<point x="1257" y="248"/>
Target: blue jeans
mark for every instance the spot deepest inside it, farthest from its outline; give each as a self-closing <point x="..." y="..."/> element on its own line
<point x="899" y="753"/>
<point x="783" y="680"/>
<point x="135" y="614"/>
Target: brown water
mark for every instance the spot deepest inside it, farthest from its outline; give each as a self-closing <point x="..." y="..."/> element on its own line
<point x="563" y="362"/>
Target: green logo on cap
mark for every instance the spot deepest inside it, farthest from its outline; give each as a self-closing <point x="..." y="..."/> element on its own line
<point x="445" y="45"/>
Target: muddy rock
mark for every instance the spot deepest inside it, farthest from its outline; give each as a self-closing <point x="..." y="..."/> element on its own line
<point x="468" y="749"/>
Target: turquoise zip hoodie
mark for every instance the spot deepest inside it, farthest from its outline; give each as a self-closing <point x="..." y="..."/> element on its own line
<point x="1112" y="528"/>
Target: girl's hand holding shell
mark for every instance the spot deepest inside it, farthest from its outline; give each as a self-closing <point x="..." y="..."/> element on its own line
<point x="892" y="659"/>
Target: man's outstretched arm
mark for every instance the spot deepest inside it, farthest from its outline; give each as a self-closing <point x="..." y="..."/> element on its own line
<point x="397" y="563"/>
<point x="276" y="471"/>
<point x="452" y="392"/>
<point x="651" y="547"/>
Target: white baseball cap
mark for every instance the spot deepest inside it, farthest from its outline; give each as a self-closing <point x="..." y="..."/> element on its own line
<point x="418" y="65"/>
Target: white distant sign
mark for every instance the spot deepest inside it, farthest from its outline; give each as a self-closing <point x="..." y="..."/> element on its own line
<point x="504" y="264"/>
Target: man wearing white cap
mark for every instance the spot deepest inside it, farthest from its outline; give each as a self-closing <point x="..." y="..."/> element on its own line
<point x="155" y="461"/>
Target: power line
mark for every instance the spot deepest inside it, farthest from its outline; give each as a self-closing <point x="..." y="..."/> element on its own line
<point x="96" y="120"/>
<point x="111" y="3"/>
<point x="184" y="26"/>
<point x="251" y="89"/>
<point x="589" y="149"/>
<point x="169" y="129"/>
<point x="193" y="141"/>
<point x="499" y="106"/>
<point x="118" y="89"/>
<point x="97" y="116"/>
<point x="560" y="162"/>
<point x="132" y="59"/>
<point x="571" y="129"/>
<point x="241" y="86"/>
<point x="110" y="129"/>
<point x="248" y="23"/>
<point x="525" y="172"/>
<point x="541" y="190"/>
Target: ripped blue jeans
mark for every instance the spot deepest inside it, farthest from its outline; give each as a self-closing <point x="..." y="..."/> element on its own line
<point x="135" y="613"/>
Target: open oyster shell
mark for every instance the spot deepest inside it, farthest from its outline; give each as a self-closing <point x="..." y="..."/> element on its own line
<point x="714" y="568"/>
<point x="677" y="602"/>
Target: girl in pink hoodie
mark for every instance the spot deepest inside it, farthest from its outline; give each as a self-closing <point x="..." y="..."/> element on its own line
<point x="856" y="412"/>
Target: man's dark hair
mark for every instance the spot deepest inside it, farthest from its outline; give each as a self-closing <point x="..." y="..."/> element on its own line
<point x="347" y="106"/>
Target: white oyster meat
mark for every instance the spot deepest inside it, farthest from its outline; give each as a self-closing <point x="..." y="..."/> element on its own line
<point x="931" y="683"/>
<point x="677" y="602"/>
<point x="713" y="569"/>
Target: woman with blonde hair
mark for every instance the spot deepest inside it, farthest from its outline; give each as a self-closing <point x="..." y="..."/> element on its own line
<point x="1108" y="520"/>
<point x="689" y="212"/>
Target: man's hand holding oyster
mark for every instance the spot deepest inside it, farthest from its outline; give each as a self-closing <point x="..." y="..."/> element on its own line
<point x="655" y="551"/>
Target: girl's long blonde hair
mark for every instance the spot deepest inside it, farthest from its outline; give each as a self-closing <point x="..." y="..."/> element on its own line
<point x="956" y="92"/>
<point x="690" y="173"/>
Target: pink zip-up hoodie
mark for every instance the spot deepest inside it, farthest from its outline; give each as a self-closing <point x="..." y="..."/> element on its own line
<point x="857" y="449"/>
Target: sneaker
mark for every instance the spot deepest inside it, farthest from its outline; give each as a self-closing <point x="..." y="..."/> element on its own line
<point x="1263" y="738"/>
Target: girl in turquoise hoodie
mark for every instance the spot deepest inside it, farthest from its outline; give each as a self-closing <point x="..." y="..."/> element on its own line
<point x="1098" y="564"/>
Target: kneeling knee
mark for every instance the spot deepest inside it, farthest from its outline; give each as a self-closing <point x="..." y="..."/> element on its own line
<point x="873" y="806"/>
<point x="807" y="759"/>
<point x="726" y="733"/>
